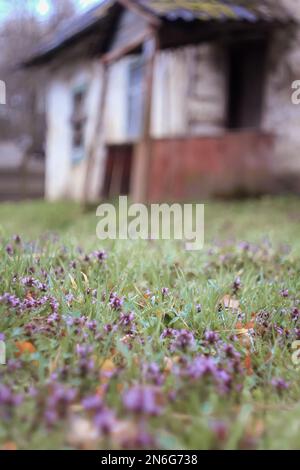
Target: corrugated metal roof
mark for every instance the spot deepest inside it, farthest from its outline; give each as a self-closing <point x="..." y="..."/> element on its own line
<point x="221" y="10"/>
<point x="69" y="30"/>
<point x="101" y="18"/>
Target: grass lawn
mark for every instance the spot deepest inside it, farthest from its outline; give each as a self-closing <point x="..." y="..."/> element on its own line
<point x="144" y="345"/>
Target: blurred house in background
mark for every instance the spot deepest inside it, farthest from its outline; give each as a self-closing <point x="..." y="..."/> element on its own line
<point x="173" y="100"/>
<point x="22" y="114"/>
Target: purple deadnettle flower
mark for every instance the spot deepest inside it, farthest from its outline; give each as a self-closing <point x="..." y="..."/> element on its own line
<point x="100" y="255"/>
<point x="167" y="333"/>
<point x="92" y="403"/>
<point x="17" y="239"/>
<point x="295" y="314"/>
<point x="105" y="420"/>
<point x="153" y="373"/>
<point x="13" y="365"/>
<point x="2" y="337"/>
<point x="53" y="319"/>
<point x="200" y="366"/>
<point x="127" y="322"/>
<point x="9" y="250"/>
<point x="51" y="417"/>
<point x="220" y="430"/>
<point x="297" y="333"/>
<point x="142" y="400"/>
<point x="58" y="402"/>
<point x="280" y="384"/>
<point x="115" y="302"/>
<point x="284" y="293"/>
<point x="108" y="328"/>
<point x="126" y="318"/>
<point x="84" y="351"/>
<point x="53" y="304"/>
<point x="8" y="402"/>
<point x="165" y="291"/>
<point x="184" y="340"/>
<point x="236" y="285"/>
<point x="231" y="352"/>
<point x="211" y="337"/>
<point x="91" y="325"/>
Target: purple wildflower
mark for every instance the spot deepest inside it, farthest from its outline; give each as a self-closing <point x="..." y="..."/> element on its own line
<point x="284" y="293"/>
<point x="92" y="403"/>
<point x="184" y="340"/>
<point x="153" y="373"/>
<point x="295" y="314"/>
<point x="165" y="292"/>
<point x="17" y="239"/>
<point x="92" y="325"/>
<point x="105" y="420"/>
<point x="142" y="400"/>
<point x="100" y="255"/>
<point x="236" y="285"/>
<point x="9" y="250"/>
<point x="280" y="384"/>
<point x="211" y="337"/>
<point x="200" y="366"/>
<point x="58" y="402"/>
<point x="115" y="302"/>
<point x="167" y="333"/>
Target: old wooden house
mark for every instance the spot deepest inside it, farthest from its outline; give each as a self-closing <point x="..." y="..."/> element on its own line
<point x="173" y="100"/>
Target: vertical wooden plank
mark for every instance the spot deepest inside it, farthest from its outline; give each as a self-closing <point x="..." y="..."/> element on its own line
<point x="24" y="175"/>
<point x="99" y="131"/>
<point x="142" y="152"/>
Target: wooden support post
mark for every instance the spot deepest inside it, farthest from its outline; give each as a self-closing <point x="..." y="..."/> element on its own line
<point x="98" y="137"/>
<point x="24" y="174"/>
<point x="142" y="153"/>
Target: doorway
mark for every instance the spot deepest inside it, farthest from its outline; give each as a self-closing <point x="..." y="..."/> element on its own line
<point x="246" y="77"/>
<point x="118" y="171"/>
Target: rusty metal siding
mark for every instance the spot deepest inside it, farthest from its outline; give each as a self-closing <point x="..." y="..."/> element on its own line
<point x="190" y="168"/>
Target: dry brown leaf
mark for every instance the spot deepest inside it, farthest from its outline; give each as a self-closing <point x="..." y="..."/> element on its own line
<point x="10" y="445"/>
<point x="230" y="303"/>
<point x="124" y="431"/>
<point x="169" y="363"/>
<point x="82" y="434"/>
<point x="248" y="364"/>
<point x="24" y="347"/>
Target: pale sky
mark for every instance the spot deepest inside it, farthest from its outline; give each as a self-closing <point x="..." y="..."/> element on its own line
<point x="42" y="7"/>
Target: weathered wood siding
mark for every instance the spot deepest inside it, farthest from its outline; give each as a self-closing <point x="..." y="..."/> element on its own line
<point x="18" y="183"/>
<point x="130" y="29"/>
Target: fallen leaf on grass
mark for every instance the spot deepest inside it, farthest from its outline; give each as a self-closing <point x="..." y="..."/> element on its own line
<point x="10" y="445"/>
<point x="230" y="303"/>
<point x="169" y="363"/>
<point x="85" y="278"/>
<point x="74" y="285"/>
<point x="24" y="347"/>
<point x="82" y="434"/>
<point x="107" y="370"/>
<point x="248" y="364"/>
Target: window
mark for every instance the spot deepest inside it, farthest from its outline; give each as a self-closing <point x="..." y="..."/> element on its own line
<point x="135" y="99"/>
<point x="246" y="84"/>
<point x="78" y="122"/>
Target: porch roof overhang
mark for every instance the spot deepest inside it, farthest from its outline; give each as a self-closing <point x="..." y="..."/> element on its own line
<point x="176" y="22"/>
<point x="93" y="28"/>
